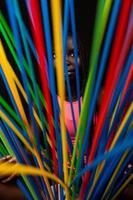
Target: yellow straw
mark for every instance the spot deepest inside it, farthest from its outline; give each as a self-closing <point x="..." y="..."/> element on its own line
<point x="128" y="113"/>
<point x="115" y="173"/>
<point x="6" y="168"/>
<point x="100" y="167"/>
<point x="19" y="135"/>
<point x="56" y="17"/>
<point x="114" y="113"/>
<point x="8" y="72"/>
<point x="123" y="186"/>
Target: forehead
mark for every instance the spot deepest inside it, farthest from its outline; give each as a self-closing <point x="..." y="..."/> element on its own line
<point x="69" y="42"/>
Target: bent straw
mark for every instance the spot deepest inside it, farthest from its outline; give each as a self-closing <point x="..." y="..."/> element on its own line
<point x="19" y="152"/>
<point x="9" y="149"/>
<point x="20" y="149"/>
<point x="6" y="169"/>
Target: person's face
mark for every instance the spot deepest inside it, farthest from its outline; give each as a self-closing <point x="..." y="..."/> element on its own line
<point x="70" y="60"/>
<point x="71" y="67"/>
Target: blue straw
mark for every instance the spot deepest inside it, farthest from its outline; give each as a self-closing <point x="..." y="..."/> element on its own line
<point x="47" y="32"/>
<point x="65" y="35"/>
<point x="123" y="179"/>
<point x="20" y="57"/>
<point x="118" y="91"/>
<point x="9" y="91"/>
<point x="121" y="81"/>
<point x="119" y="174"/>
<point x="111" y="165"/>
<point x="13" y="102"/>
<point x="18" y="128"/>
<point x="23" y="74"/>
<point x="72" y="15"/>
<point x="20" y="22"/>
<point x="104" y="56"/>
<point x="126" y="144"/>
<point x="24" y="189"/>
<point x="16" y="145"/>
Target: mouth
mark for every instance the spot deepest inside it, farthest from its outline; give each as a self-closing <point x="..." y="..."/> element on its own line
<point x="71" y="72"/>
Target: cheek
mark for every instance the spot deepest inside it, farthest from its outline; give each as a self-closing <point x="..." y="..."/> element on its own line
<point x="73" y="61"/>
<point x="54" y="64"/>
<point x="79" y="61"/>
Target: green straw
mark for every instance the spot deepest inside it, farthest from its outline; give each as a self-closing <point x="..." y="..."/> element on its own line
<point x="102" y="15"/>
<point x="26" y="67"/>
<point x="6" y="144"/>
<point x="8" y="34"/>
<point x="2" y="19"/>
<point x="11" y="112"/>
<point x="3" y="150"/>
<point x="10" y="152"/>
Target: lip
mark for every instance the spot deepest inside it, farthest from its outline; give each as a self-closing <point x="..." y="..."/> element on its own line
<point x="71" y="73"/>
<point x="70" y="70"/>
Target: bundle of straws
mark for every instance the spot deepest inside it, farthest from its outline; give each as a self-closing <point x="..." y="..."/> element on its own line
<point x="42" y="164"/>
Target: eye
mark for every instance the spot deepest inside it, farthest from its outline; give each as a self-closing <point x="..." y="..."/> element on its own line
<point x="71" y="53"/>
<point x="53" y="54"/>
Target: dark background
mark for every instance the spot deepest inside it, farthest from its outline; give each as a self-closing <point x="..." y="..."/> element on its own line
<point x="85" y="15"/>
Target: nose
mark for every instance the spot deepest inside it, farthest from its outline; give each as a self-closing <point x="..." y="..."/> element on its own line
<point x="69" y="59"/>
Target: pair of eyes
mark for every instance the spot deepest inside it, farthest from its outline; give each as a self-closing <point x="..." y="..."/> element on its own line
<point x="70" y="53"/>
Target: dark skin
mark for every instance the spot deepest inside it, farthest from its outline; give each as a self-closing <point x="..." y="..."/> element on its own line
<point x="14" y="192"/>
<point x="8" y="188"/>
<point x="70" y="62"/>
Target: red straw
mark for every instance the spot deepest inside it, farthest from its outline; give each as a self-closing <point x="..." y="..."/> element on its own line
<point x="128" y="81"/>
<point x="37" y="32"/>
<point x="113" y="73"/>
